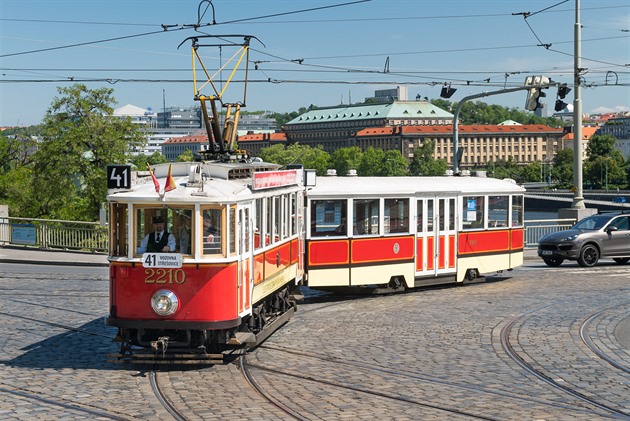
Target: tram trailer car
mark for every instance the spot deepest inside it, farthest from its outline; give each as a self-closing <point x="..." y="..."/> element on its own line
<point x="394" y="233"/>
<point x="224" y="276"/>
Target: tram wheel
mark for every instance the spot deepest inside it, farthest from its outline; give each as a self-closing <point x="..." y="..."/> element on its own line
<point x="553" y="261"/>
<point x="622" y="260"/>
<point x="589" y="255"/>
<point x="471" y="275"/>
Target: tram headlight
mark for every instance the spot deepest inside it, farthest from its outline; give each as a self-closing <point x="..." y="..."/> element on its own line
<point x="164" y="302"/>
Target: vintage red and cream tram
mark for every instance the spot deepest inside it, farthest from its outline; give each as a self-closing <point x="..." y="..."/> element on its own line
<point x="404" y="232"/>
<point x="235" y="254"/>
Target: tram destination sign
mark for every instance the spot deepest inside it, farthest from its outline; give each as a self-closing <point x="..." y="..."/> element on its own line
<point x="270" y="179"/>
<point x="162" y="260"/>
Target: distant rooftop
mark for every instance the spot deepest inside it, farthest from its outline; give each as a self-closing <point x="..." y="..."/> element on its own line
<point x="396" y="110"/>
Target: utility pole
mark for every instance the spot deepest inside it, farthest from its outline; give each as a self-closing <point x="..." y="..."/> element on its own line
<point x="577" y="210"/>
<point x="578" y="198"/>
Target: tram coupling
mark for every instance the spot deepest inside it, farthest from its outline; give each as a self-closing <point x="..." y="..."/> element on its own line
<point x="160" y="345"/>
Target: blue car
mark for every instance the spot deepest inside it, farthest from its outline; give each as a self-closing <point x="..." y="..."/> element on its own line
<point x="620" y="199"/>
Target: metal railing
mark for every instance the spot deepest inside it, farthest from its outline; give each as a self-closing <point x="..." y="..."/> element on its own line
<point x="535" y="229"/>
<point x="91" y="236"/>
<point x="54" y="234"/>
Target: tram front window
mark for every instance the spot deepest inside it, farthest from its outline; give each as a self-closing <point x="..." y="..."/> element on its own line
<point x="212" y="230"/>
<point x="163" y="230"/>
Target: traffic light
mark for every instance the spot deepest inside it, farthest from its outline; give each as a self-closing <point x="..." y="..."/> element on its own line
<point x="447" y="91"/>
<point x="534" y="93"/>
<point x="532" y="103"/>
<point x="563" y="90"/>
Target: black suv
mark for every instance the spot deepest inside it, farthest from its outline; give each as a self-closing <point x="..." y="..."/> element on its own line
<point x="605" y="235"/>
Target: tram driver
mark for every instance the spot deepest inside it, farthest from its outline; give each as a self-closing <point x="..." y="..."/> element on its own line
<point x="159" y="240"/>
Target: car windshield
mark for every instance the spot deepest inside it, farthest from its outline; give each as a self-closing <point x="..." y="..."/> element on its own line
<point x="592" y="222"/>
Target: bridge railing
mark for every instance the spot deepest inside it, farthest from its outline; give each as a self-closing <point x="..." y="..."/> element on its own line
<point x="54" y="234"/>
<point x="535" y="229"/>
<point x="91" y="236"/>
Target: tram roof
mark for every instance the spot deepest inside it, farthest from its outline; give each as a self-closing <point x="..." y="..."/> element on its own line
<point x="410" y="186"/>
<point x="221" y="182"/>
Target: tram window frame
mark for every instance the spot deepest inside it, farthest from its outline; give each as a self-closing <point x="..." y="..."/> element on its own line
<point x="399" y="223"/>
<point x="365" y="226"/>
<point x="220" y="232"/>
<point x="269" y="221"/>
<point x="333" y="216"/>
<point x="118" y="229"/>
<point x="473" y="212"/>
<point x="498" y="211"/>
<point x="143" y="221"/>
<point x="516" y="210"/>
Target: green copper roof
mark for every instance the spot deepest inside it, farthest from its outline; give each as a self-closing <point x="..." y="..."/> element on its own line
<point x="397" y="110"/>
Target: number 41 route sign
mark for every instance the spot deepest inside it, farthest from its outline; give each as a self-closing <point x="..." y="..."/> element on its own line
<point x="118" y="176"/>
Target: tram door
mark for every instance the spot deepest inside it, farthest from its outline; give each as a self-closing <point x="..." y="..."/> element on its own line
<point x="436" y="236"/>
<point x="244" y="233"/>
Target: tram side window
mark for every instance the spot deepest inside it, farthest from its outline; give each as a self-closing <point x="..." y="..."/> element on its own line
<point x="154" y="230"/>
<point x="118" y="234"/>
<point x="258" y="224"/>
<point x="430" y="215"/>
<point x="473" y="212"/>
<point x="420" y="213"/>
<point x="451" y="214"/>
<point x="328" y="217"/>
<point x="498" y="211"/>
<point x="517" y="211"/>
<point x="365" y="219"/>
<point x="232" y="229"/>
<point x="212" y="230"/>
<point x="396" y="215"/>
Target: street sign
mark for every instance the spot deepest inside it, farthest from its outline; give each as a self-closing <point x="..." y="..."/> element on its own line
<point x="118" y="176"/>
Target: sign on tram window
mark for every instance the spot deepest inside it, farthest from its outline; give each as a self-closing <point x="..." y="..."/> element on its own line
<point x="118" y="176"/>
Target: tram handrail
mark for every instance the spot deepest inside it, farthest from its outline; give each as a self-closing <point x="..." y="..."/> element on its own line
<point x="91" y="236"/>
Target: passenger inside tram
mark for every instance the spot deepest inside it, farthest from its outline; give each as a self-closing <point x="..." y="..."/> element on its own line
<point x="159" y="240"/>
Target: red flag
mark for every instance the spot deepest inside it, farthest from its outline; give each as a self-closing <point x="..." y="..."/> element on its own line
<point x="155" y="180"/>
<point x="170" y="183"/>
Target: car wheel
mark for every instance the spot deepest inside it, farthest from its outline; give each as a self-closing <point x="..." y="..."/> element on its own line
<point x="622" y="260"/>
<point x="589" y="255"/>
<point x="553" y="261"/>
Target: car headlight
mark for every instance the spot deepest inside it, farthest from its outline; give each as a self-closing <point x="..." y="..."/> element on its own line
<point x="570" y="237"/>
<point x="164" y="302"/>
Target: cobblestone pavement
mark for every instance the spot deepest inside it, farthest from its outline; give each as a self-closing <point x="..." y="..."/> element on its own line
<point x="434" y="354"/>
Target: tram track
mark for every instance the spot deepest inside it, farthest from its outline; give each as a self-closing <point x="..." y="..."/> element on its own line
<point x="162" y="398"/>
<point x="584" y="335"/>
<point x="74" y="407"/>
<point x="247" y="366"/>
<point x="507" y="347"/>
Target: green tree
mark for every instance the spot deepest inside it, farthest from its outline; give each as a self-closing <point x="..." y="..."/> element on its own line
<point x="531" y="172"/>
<point x="187" y="156"/>
<point x="423" y="162"/>
<point x="310" y="158"/>
<point x="372" y="162"/>
<point x="605" y="165"/>
<point x="345" y="159"/>
<point x="563" y="168"/>
<point x="80" y="137"/>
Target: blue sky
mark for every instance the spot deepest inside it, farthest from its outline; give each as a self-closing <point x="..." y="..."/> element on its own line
<point x="339" y="52"/>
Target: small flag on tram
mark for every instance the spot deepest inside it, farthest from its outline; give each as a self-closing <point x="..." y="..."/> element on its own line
<point x="170" y="183"/>
<point x="155" y="180"/>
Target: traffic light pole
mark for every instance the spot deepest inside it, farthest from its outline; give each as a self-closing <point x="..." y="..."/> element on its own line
<point x="456" y="119"/>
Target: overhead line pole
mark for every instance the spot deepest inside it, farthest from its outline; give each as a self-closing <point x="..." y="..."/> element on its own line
<point x="578" y="197"/>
